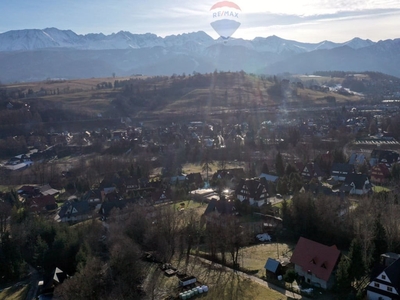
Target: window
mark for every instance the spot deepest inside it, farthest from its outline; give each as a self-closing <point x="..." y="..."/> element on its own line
<point x="383" y="277"/>
<point x="376" y="285"/>
<point x="389" y="289"/>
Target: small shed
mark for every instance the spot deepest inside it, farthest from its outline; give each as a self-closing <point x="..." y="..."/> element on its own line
<point x="187" y="281"/>
<point x="273" y="268"/>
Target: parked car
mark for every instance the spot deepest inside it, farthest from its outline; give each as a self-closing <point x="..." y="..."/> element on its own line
<point x="264" y="237"/>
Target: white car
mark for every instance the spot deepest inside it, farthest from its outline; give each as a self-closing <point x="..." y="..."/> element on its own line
<point x="263" y="237"/>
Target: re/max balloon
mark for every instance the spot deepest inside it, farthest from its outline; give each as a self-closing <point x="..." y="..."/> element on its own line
<point x="225" y="18"/>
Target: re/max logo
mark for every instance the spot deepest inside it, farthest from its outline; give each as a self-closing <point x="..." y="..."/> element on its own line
<point x="226" y="14"/>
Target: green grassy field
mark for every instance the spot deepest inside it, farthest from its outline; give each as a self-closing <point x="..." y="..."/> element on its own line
<point x="279" y="204"/>
<point x="197" y="168"/>
<point x="89" y="102"/>
<point x="317" y="96"/>
<point x="222" y="284"/>
<point x="7" y="188"/>
<point x="14" y="293"/>
<point x="255" y="257"/>
<point x="187" y="204"/>
<point x="380" y="189"/>
<point x="82" y="96"/>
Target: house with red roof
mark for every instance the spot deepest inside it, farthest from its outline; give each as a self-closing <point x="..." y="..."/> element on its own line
<point x="316" y="263"/>
<point x="41" y="204"/>
<point x="380" y="173"/>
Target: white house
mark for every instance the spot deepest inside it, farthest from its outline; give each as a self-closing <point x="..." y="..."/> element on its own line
<point x="315" y="262"/>
<point x="253" y="190"/>
<point x="386" y="286"/>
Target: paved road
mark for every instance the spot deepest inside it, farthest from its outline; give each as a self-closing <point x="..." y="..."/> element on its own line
<point x="255" y="279"/>
<point x="34" y="280"/>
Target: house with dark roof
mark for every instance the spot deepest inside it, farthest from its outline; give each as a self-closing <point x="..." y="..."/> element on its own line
<point x="254" y="190"/>
<point x="356" y="184"/>
<point x="161" y="196"/>
<point x="317" y="188"/>
<point x="269" y="177"/>
<point x="180" y="178"/>
<point x="217" y="208"/>
<point x="386" y="285"/>
<point x="132" y="183"/>
<point x="230" y="176"/>
<point x="357" y="159"/>
<point x="380" y="173"/>
<point x="94" y="196"/>
<point x="107" y="207"/>
<point x="111" y="182"/>
<point x="113" y="196"/>
<point x="73" y="211"/>
<point x="221" y="207"/>
<point x="340" y="171"/>
<point x="312" y="170"/>
<point x="384" y="156"/>
<point x="315" y="263"/>
<point x="50" y="281"/>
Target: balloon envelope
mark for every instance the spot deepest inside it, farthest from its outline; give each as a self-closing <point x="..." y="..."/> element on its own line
<point x="225" y="28"/>
<point x="225" y="18"/>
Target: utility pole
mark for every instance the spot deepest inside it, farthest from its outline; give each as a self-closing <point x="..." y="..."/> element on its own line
<point x="277" y="246"/>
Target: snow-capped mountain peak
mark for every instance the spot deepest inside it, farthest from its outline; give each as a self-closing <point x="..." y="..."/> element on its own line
<point x="34" y="39"/>
<point x="357" y="43"/>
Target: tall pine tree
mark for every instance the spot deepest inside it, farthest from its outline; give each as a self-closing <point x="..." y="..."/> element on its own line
<point x="279" y="165"/>
<point x="379" y="242"/>
<point x="356" y="266"/>
<point x="343" y="281"/>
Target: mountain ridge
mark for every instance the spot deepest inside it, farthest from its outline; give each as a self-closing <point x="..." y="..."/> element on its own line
<point x="34" y="39"/>
<point x="34" y="55"/>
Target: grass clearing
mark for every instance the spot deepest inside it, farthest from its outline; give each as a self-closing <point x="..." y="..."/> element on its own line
<point x="197" y="168"/>
<point x="255" y="257"/>
<point x="8" y="188"/>
<point x="190" y="205"/>
<point x="380" y="189"/>
<point x="86" y="223"/>
<point x="223" y="284"/>
<point x="279" y="204"/>
<point x="73" y="84"/>
<point x="318" y="96"/>
<point x="15" y="293"/>
<point x="187" y="204"/>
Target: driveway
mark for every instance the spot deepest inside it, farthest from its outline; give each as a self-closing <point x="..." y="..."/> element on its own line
<point x="34" y="280"/>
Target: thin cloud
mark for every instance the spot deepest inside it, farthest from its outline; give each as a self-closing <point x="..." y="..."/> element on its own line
<point x="310" y="20"/>
<point x="341" y="28"/>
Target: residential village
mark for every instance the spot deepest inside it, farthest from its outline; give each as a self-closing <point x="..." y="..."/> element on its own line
<point x="249" y="176"/>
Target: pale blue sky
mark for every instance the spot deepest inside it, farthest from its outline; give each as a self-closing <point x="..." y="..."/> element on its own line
<point x="302" y="20"/>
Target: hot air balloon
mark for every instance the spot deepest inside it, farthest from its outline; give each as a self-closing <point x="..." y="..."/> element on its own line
<point x="225" y="18"/>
